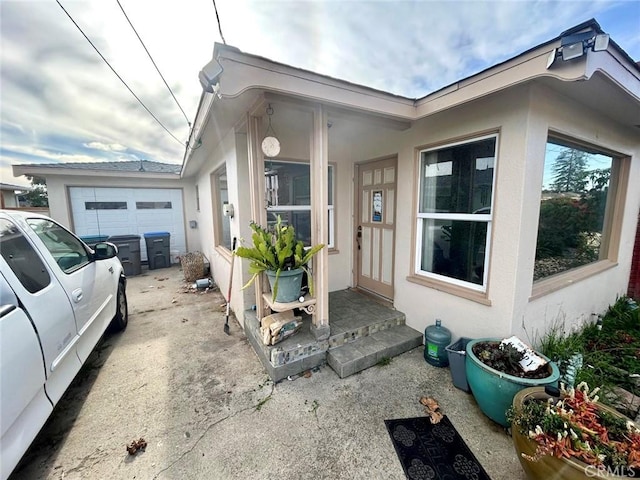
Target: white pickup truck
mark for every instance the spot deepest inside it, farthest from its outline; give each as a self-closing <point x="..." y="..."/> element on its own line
<point x="57" y="298"/>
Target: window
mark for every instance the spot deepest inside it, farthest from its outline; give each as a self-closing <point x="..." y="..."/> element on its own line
<point x="222" y="223"/>
<point x="574" y="226"/>
<point x="105" y="205"/>
<point x="153" y="205"/>
<point x="454" y="212"/>
<point x="288" y="192"/>
<point x="68" y="252"/>
<point x="22" y="258"/>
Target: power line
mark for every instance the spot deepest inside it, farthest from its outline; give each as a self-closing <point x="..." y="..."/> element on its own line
<point x="154" y="63"/>
<point x="116" y="73"/>
<point x="219" y="25"/>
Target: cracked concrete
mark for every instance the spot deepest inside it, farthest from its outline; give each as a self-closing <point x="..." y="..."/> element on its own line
<point x="204" y="404"/>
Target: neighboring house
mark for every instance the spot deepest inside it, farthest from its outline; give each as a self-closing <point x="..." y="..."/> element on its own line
<point x="120" y="198"/>
<point x="434" y="203"/>
<point x="9" y="197"/>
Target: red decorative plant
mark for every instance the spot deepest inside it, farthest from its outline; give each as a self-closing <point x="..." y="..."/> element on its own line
<point x="575" y="426"/>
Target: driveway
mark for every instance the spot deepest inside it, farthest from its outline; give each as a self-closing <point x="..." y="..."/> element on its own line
<point x="207" y="410"/>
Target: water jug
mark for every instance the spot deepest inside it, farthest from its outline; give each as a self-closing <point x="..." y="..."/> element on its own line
<point x="436" y="339"/>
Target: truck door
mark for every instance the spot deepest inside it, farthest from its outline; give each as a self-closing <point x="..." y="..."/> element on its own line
<point x="25" y="406"/>
<point x="90" y="285"/>
<point x="45" y="302"/>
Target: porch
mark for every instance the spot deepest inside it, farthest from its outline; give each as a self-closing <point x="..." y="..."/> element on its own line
<point x="363" y="331"/>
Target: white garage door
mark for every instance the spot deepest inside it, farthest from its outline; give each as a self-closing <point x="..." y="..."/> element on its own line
<point x="127" y="211"/>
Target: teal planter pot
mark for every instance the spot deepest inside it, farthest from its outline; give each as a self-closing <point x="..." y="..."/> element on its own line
<point x="494" y="390"/>
<point x="289" y="284"/>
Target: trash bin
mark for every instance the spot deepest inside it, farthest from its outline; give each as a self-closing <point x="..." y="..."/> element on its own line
<point x="457" y="356"/>
<point x="128" y="252"/>
<point x="158" y="249"/>
<point x="91" y="240"/>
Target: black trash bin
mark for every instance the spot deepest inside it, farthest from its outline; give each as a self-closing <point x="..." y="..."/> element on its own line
<point x="128" y="252"/>
<point x="158" y="249"/>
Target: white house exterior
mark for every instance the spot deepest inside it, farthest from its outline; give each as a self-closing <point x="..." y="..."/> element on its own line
<point x="372" y="160"/>
<point x="431" y="203"/>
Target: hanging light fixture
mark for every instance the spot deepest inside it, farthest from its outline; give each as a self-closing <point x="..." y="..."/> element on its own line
<point x="270" y="144"/>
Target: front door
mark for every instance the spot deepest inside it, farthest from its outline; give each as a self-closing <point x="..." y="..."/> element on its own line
<point x="375" y="227"/>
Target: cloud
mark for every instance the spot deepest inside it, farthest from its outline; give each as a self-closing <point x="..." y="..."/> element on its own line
<point x="61" y="102"/>
<point x="110" y="147"/>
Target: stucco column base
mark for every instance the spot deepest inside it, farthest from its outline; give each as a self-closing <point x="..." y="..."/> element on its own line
<point x="320" y="332"/>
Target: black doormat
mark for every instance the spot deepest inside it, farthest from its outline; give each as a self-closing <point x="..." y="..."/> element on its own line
<point x="430" y="452"/>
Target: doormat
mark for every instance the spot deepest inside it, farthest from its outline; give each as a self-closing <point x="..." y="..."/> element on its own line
<point x="428" y="451"/>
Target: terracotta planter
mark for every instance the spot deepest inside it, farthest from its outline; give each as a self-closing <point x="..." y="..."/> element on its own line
<point x="494" y="390"/>
<point x="548" y="466"/>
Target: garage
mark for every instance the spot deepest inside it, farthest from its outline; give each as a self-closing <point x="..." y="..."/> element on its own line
<point x="126" y="211"/>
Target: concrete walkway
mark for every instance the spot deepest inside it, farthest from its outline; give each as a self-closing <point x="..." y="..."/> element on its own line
<point x="203" y="402"/>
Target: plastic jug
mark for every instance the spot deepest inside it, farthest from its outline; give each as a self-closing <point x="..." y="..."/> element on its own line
<point x="436" y="339"/>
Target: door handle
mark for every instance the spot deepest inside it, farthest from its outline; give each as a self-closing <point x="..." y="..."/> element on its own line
<point x="77" y="295"/>
<point x="359" y="235"/>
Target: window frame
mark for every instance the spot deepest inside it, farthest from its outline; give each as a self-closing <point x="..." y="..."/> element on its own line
<point x="331" y="244"/>
<point x="476" y="292"/>
<point x="69" y="243"/>
<point x="612" y="224"/>
<point x="218" y="217"/>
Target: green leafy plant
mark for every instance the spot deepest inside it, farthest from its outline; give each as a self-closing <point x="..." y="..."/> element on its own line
<point x="610" y="350"/>
<point x="276" y="249"/>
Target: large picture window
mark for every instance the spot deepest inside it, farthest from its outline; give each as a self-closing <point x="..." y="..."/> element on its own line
<point x="576" y="198"/>
<point x="455" y="212"/>
<point x="288" y="192"/>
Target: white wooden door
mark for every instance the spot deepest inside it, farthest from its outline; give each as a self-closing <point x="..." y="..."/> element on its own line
<point x="375" y="227"/>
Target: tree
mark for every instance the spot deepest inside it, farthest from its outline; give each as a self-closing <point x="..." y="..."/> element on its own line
<point x="37" y="196"/>
<point x="570" y="171"/>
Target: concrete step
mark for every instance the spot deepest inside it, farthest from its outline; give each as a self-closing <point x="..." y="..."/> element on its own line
<point x="367" y="351"/>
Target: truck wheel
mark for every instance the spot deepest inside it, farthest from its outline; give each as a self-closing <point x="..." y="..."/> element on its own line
<point x="121" y="317"/>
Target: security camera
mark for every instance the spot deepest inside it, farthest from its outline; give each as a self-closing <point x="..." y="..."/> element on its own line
<point x="210" y="75"/>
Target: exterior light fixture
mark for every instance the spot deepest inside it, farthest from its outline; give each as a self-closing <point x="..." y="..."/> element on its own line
<point x="209" y="76"/>
<point x="577" y="45"/>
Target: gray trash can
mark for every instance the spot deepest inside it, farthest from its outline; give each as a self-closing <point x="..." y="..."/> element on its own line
<point x="128" y="252"/>
<point x="158" y="254"/>
<point x="457" y="357"/>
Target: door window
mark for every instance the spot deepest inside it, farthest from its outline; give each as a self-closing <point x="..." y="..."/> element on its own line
<point x="68" y="252"/>
<point x="22" y="258"/>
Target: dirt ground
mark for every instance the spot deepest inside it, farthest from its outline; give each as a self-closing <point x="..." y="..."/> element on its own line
<point x="207" y="410"/>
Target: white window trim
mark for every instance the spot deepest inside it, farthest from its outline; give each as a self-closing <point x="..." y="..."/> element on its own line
<point x="307" y="208"/>
<point x="486" y="218"/>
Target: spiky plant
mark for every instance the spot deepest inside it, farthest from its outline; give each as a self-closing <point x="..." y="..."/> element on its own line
<point x="277" y="250"/>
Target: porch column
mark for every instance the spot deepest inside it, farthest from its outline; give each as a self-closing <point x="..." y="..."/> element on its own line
<point x="256" y="187"/>
<point x="319" y="166"/>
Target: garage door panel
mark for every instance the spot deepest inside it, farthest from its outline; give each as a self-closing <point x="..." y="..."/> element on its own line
<point x="131" y="220"/>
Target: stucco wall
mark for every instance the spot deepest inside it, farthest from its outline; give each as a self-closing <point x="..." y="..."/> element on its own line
<point x="575" y="303"/>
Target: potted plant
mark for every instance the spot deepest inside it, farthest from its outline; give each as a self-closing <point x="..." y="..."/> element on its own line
<point x="495" y="374"/>
<point x="570" y="435"/>
<point x="277" y="253"/>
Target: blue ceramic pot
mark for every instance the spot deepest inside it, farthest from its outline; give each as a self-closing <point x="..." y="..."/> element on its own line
<point x="494" y="390"/>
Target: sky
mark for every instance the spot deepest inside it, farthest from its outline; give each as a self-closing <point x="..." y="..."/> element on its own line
<point x="60" y="102"/>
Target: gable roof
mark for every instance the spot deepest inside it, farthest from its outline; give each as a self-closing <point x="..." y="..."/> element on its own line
<point x="137" y="166"/>
<point x="127" y="166"/>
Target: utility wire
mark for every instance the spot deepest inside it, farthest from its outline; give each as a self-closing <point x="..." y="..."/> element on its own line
<point x="154" y="63"/>
<point x="116" y="73"/>
<point x="219" y="25"/>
